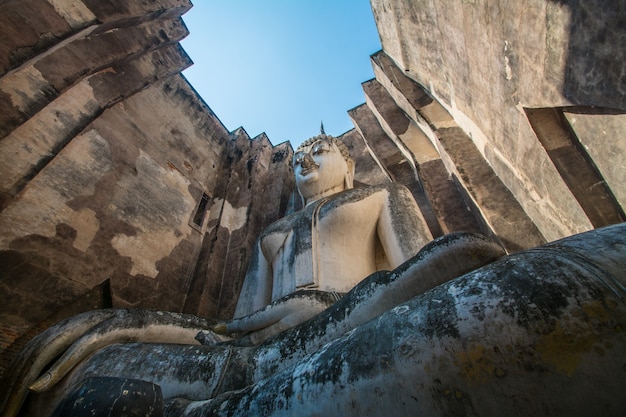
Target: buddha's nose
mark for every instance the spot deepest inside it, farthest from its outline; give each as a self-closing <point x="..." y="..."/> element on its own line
<point x="307" y="161"/>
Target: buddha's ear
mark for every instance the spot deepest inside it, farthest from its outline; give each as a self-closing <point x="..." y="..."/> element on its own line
<point x="302" y="199"/>
<point x="348" y="181"/>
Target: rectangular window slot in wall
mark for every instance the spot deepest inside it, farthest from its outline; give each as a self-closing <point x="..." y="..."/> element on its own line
<point x="198" y="218"/>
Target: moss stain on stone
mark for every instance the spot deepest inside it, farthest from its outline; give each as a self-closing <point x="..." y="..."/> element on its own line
<point x="566" y="346"/>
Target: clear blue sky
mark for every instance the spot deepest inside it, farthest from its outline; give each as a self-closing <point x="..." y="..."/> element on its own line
<point x="281" y="66"/>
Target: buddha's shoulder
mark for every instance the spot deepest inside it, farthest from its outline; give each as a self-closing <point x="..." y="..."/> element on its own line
<point x="283" y="224"/>
<point x="382" y="192"/>
<point x="385" y="190"/>
<point x="371" y="195"/>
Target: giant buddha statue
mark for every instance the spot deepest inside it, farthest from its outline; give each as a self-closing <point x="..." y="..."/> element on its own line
<point x="341" y="236"/>
<point x="350" y="308"/>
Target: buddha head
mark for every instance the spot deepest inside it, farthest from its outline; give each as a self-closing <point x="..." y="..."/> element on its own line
<point x="322" y="167"/>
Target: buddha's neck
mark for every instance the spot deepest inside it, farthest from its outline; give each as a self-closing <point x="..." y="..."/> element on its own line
<point x="322" y="194"/>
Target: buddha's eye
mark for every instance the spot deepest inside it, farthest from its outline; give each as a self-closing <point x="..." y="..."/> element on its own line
<point x="298" y="158"/>
<point x="320" y="147"/>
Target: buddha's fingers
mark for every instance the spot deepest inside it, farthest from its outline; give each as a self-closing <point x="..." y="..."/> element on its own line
<point x="40" y="351"/>
<point x="125" y="326"/>
<point x="298" y="307"/>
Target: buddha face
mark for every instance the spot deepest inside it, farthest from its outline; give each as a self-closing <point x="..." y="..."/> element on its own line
<point x="320" y="170"/>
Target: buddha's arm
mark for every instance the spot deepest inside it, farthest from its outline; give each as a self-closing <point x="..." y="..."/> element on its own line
<point x="402" y="229"/>
<point x="256" y="292"/>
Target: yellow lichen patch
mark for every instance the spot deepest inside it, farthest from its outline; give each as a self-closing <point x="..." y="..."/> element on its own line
<point x="475" y="364"/>
<point x="565" y="346"/>
<point x="564" y="350"/>
<point x="596" y="310"/>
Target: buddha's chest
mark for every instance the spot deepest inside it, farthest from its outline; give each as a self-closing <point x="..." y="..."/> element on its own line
<point x="328" y="249"/>
<point x="353" y="224"/>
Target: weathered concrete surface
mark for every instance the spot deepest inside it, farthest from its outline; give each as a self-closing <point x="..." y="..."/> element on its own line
<point x="105" y="207"/>
<point x="447" y="203"/>
<point x="105" y="154"/>
<point x="605" y="145"/>
<point x="177" y="370"/>
<point x="575" y="165"/>
<point x="498" y="206"/>
<point x="522" y="336"/>
<point x="367" y="171"/>
<point x="113" y="397"/>
<point x="33" y="85"/>
<point x="392" y="161"/>
<point x="485" y="67"/>
<point x="495" y="208"/>
<point x="255" y="189"/>
<point x="28" y="34"/>
<point x="27" y="149"/>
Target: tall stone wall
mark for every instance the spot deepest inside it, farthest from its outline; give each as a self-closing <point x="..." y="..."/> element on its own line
<point x="488" y="65"/>
<point x="119" y="186"/>
<point x="256" y="188"/>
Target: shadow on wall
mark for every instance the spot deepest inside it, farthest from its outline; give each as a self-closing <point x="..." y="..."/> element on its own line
<point x="595" y="72"/>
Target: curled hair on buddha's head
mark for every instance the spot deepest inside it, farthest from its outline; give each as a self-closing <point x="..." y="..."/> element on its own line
<point x="340" y="145"/>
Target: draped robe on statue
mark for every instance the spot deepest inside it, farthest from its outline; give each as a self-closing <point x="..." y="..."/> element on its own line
<point x="333" y="243"/>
